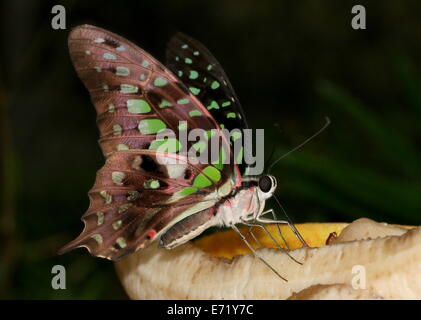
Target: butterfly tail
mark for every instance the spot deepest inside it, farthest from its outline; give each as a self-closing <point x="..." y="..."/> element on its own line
<point x="112" y="240"/>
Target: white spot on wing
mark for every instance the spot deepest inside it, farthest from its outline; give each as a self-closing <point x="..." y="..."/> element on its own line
<point x="176" y="170"/>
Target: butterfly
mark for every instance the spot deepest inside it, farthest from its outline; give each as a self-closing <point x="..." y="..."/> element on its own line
<point x="139" y="195"/>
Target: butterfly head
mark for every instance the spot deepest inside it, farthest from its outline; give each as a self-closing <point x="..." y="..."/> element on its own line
<point x="266" y="186"/>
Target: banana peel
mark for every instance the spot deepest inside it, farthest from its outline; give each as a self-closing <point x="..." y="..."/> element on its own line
<point x="361" y="260"/>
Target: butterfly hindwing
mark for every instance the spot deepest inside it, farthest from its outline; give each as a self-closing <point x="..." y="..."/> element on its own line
<point x="135" y="197"/>
<point x="199" y="70"/>
<point x="139" y="192"/>
<point x="203" y="75"/>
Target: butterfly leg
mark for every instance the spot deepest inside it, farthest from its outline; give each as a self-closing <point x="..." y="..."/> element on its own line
<point x="255" y="253"/>
<point x="293" y="228"/>
<point x="272" y="238"/>
<point x="252" y="225"/>
<point x="277" y="226"/>
<point x="252" y="234"/>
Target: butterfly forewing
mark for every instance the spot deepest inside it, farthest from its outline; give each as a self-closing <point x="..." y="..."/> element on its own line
<point x="139" y="192"/>
<point x="134" y="95"/>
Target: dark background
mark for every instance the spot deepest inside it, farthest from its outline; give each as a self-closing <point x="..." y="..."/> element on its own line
<point x="291" y="63"/>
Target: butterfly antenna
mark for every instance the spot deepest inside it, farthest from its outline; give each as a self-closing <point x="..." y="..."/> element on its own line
<point x="302" y="143"/>
<point x="272" y="152"/>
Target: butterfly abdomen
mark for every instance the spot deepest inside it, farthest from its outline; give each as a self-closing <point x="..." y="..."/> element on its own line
<point x="187" y="229"/>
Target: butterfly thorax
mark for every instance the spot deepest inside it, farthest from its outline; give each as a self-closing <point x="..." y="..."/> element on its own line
<point x="241" y="205"/>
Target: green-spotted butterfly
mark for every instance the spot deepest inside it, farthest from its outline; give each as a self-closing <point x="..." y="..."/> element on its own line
<point x="138" y="198"/>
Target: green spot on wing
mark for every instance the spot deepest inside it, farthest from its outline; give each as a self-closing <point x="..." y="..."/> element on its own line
<point x="212" y="173"/>
<point x="151" y="184"/>
<point x="188" y="61"/>
<point x="138" y="106"/>
<point x="124" y="207"/>
<point x="118" y="177"/>
<point x="109" y="56"/>
<point x="117" y="224"/>
<point x="187" y="191"/>
<point x="145" y="63"/>
<point x="100" y="218"/>
<point x="183" y="101"/>
<point x="194" y="90"/>
<point x="133" y="195"/>
<point x="226" y="103"/>
<point x="201" y="181"/>
<point x="122" y="71"/>
<point x="213" y="105"/>
<point x="193" y="74"/>
<point x="117" y="129"/>
<point x="121" y="147"/>
<point x="150" y="126"/>
<point x="107" y="197"/>
<point x="219" y="165"/>
<point x="121" y="242"/>
<point x="195" y="113"/>
<point x="159" y="82"/>
<point x="231" y="115"/>
<point x="97" y="237"/>
<point x="128" y="88"/>
<point x="215" y="85"/>
<point x="164" y="103"/>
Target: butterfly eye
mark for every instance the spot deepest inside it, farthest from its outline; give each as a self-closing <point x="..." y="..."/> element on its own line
<point x="265" y="184"/>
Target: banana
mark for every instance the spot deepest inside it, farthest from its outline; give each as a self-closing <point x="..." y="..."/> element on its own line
<point x="367" y="260"/>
